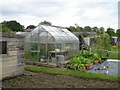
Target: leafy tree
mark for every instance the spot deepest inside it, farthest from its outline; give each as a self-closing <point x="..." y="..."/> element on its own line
<point x="4" y="29"/>
<point x="46" y="22"/>
<point x="101" y="30"/>
<point x="94" y="29"/>
<point x="110" y="31"/>
<point x="13" y="25"/>
<point x="72" y="29"/>
<point x="87" y="29"/>
<point x="31" y="27"/>
<point x="85" y="34"/>
<point x="79" y="29"/>
<point x="103" y="42"/>
<point x="118" y="34"/>
<point x="4" y="22"/>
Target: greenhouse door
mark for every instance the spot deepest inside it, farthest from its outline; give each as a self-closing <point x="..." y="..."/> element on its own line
<point x="43" y="52"/>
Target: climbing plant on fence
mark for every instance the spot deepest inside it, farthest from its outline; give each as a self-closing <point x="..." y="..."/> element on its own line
<point x="103" y="42"/>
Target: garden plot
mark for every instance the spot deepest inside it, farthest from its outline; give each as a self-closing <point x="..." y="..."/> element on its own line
<point x="110" y="67"/>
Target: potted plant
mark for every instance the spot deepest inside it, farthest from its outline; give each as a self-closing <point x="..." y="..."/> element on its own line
<point x="96" y="61"/>
<point x="89" y="66"/>
<point x="82" y="67"/>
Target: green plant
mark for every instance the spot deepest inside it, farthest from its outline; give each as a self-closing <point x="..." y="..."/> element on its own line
<point x="77" y="62"/>
<point x="84" y="59"/>
<point x="27" y="54"/>
<point x="82" y="65"/>
<point x="90" y="55"/>
<point x="34" y="46"/>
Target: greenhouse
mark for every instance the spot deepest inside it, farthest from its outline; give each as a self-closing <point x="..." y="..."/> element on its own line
<point x="50" y="44"/>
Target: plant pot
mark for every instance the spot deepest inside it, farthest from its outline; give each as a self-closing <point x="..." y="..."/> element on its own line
<point x="82" y="69"/>
<point x="89" y="66"/>
<point x="96" y="61"/>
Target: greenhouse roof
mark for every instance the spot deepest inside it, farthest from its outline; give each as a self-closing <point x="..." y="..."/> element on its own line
<point x="53" y="33"/>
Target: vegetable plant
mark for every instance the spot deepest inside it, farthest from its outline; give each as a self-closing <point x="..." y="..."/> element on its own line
<point x="83" y="59"/>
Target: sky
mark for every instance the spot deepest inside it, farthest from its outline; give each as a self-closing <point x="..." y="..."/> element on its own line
<point x="100" y="13"/>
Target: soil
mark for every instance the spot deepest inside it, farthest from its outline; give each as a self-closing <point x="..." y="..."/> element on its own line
<point x="44" y="80"/>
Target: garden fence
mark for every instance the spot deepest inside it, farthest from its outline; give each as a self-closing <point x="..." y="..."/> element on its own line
<point x="108" y="54"/>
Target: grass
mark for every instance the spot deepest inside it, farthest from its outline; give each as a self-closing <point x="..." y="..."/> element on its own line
<point x="114" y="48"/>
<point x="72" y="73"/>
<point x="112" y="56"/>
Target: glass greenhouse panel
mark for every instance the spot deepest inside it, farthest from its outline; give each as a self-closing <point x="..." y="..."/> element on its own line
<point x="27" y="50"/>
<point x="27" y="38"/>
<point x="34" y="56"/>
<point x="50" y="39"/>
<point x="34" y="37"/>
<point x="34" y="46"/>
<point x="47" y="43"/>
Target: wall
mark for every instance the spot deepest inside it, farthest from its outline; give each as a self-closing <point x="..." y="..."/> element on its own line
<point x="12" y="62"/>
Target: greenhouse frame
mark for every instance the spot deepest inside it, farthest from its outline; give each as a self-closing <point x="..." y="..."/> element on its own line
<point x="50" y="44"/>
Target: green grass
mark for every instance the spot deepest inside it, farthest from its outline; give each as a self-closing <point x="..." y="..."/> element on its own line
<point x="114" y="48"/>
<point x="112" y="55"/>
<point x="72" y="73"/>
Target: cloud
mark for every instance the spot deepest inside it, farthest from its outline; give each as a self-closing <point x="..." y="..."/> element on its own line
<point x="62" y="12"/>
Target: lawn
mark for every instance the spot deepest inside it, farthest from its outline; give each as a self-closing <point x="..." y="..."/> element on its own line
<point x="72" y="73"/>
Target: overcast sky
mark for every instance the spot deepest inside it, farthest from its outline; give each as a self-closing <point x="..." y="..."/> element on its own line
<point x="62" y="12"/>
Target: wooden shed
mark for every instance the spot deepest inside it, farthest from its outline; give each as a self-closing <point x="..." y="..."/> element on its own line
<point x="11" y="55"/>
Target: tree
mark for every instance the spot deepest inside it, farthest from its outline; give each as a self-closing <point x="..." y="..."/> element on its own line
<point x="3" y="22"/>
<point x="79" y="29"/>
<point x="31" y="27"/>
<point x="101" y="30"/>
<point x="72" y="29"/>
<point x="14" y="25"/>
<point x="87" y="29"/>
<point x="85" y="34"/>
<point x="110" y="31"/>
<point x="46" y="22"/>
<point x="94" y="29"/>
<point x="103" y="42"/>
<point x="118" y="34"/>
<point x="4" y="29"/>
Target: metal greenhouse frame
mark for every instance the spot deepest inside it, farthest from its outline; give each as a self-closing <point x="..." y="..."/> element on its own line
<point x="48" y="43"/>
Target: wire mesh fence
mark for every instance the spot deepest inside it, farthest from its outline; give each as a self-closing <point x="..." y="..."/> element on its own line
<point x="108" y="54"/>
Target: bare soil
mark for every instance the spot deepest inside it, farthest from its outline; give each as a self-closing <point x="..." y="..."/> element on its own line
<point x="43" y="80"/>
